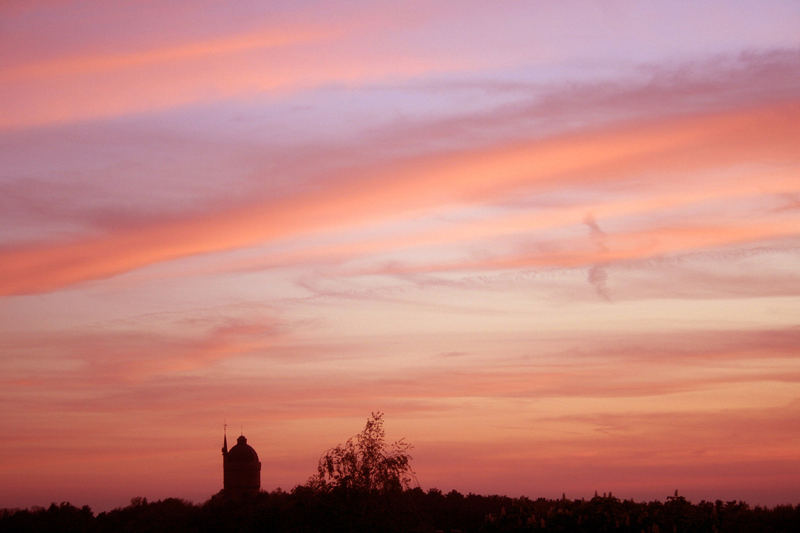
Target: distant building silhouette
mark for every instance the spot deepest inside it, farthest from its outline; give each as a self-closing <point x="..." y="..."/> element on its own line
<point x="241" y="468"/>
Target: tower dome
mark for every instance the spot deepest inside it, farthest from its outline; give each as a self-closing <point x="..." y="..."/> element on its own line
<point x="241" y="468"/>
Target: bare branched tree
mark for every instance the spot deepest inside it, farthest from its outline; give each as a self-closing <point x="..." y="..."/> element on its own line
<point x="365" y="462"/>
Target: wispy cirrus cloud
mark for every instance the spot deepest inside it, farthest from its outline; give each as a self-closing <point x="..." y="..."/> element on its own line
<point x="419" y="185"/>
<point x="75" y="359"/>
<point x="294" y="50"/>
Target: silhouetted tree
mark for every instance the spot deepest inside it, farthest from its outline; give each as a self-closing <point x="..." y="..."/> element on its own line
<point x="365" y="462"/>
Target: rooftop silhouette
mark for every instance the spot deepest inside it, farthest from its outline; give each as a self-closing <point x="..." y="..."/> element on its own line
<point x="241" y="468"/>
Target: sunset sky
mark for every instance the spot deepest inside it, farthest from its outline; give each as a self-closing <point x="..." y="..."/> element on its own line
<point x="556" y="243"/>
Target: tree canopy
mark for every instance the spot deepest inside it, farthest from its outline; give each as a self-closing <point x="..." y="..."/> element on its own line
<point x="366" y="462"/>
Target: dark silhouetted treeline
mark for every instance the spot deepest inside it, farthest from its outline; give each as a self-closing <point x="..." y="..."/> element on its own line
<point x="306" y="509"/>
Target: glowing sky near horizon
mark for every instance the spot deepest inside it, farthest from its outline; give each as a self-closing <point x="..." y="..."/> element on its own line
<point x="558" y="244"/>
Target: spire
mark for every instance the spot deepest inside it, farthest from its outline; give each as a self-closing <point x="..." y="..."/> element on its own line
<point x="225" y="439"/>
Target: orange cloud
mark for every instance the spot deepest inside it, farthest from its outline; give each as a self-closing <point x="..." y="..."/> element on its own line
<point x="64" y="360"/>
<point x="220" y="46"/>
<point x="684" y="145"/>
<point x="727" y="454"/>
<point x="493" y="414"/>
<point x="620" y="247"/>
<point x="145" y="78"/>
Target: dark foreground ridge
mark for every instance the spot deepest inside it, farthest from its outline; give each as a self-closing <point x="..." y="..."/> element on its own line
<point x="308" y="510"/>
<point x="365" y="485"/>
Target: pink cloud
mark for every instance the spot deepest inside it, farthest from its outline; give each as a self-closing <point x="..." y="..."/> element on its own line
<point x="78" y="358"/>
<point x="603" y="448"/>
<point x="426" y="183"/>
<point x="291" y="51"/>
<point x="710" y="454"/>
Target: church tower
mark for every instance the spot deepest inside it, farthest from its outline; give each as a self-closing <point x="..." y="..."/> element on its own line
<point x="240" y="467"/>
